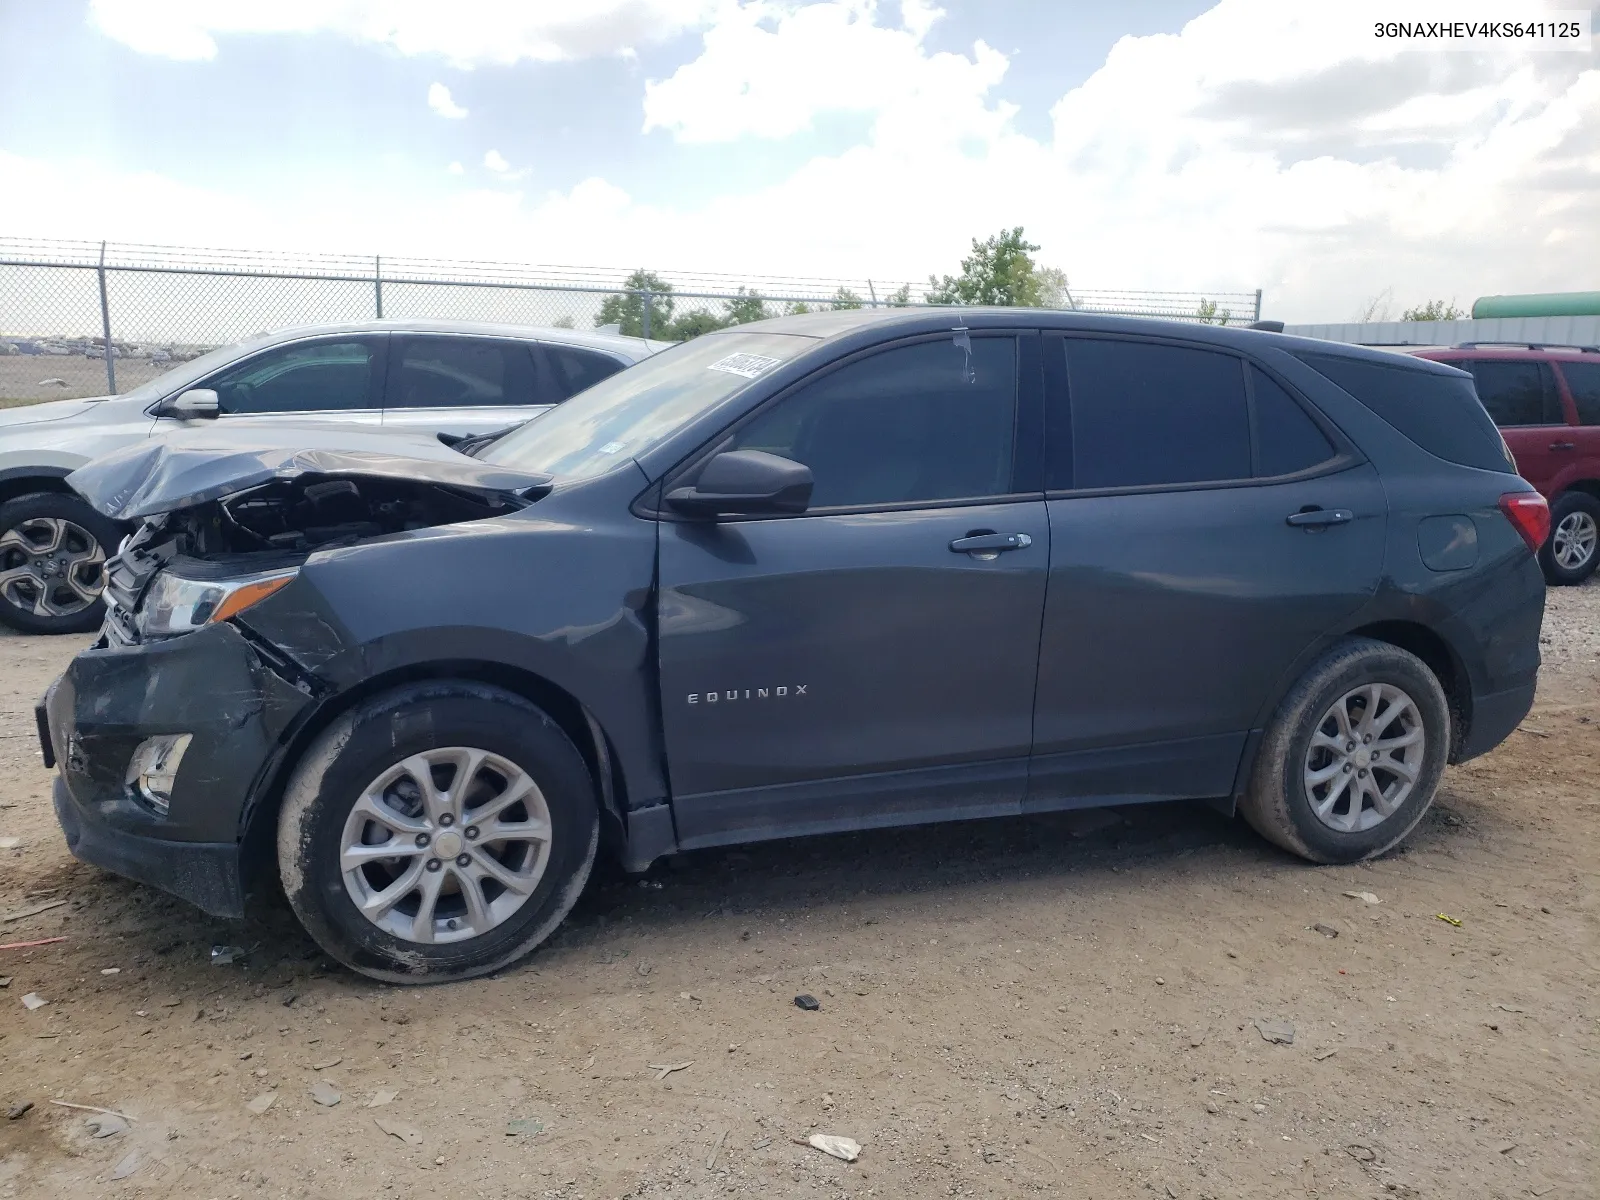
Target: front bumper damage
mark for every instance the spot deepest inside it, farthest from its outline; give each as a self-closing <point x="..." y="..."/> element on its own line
<point x="238" y="706"/>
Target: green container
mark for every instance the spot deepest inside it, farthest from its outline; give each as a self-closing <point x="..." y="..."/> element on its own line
<point x="1547" y="304"/>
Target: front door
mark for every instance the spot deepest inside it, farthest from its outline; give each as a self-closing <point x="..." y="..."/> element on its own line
<point x="335" y="379"/>
<point x="1206" y="529"/>
<point x="866" y="663"/>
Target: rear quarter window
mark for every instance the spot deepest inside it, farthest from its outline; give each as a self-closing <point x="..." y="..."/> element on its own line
<point x="1583" y="381"/>
<point x="1440" y="413"/>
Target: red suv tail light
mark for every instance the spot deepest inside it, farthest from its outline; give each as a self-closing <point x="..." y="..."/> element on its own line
<point x="1530" y="514"/>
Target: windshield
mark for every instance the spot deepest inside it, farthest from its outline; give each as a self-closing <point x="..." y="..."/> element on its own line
<point x="637" y="409"/>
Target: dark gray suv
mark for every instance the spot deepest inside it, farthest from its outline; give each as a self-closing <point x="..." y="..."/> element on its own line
<point x="830" y="572"/>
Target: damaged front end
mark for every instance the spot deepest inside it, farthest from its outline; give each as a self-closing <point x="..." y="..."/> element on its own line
<point x="168" y="727"/>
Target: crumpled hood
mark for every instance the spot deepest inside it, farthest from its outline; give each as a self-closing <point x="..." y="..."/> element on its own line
<point x="45" y="410"/>
<point x="182" y="470"/>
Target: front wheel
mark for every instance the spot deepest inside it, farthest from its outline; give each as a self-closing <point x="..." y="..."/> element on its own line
<point x="439" y="831"/>
<point x="1572" y="551"/>
<point x="53" y="550"/>
<point x="1353" y="756"/>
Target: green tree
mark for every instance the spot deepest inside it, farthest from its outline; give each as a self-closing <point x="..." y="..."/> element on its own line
<point x="796" y="307"/>
<point x="845" y="298"/>
<point x="565" y="321"/>
<point x="1433" y="310"/>
<point x="1053" y="289"/>
<point x="626" y="311"/>
<point x="746" y="307"/>
<point x="1210" y="314"/>
<point x="1000" y="270"/>
<point x="692" y="324"/>
<point x="900" y="297"/>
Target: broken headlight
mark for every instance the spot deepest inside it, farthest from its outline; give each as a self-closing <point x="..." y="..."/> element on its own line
<point x="176" y="604"/>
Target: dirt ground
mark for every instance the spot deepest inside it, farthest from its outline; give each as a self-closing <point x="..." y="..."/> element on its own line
<point x="1008" y="1008"/>
<point x="25" y="378"/>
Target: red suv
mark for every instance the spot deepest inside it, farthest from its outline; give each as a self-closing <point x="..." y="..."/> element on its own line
<point x="1546" y="401"/>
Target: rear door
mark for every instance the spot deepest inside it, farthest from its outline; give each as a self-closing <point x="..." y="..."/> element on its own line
<point x="447" y="383"/>
<point x="1206" y="528"/>
<point x="1522" y="397"/>
<point x="1583" y="385"/>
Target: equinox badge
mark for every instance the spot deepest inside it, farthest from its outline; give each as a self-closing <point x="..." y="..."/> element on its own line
<point x="765" y="693"/>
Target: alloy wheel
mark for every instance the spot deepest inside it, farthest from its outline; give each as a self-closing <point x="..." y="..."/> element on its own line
<point x="1364" y="758"/>
<point x="51" y="567"/>
<point x="1572" y="544"/>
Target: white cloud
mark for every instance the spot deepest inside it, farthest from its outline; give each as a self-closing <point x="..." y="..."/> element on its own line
<point x="440" y="100"/>
<point x="496" y="162"/>
<point x="464" y="32"/>
<point x="456" y="168"/>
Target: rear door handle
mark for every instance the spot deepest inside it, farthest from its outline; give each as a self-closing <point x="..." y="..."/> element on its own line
<point x="984" y="542"/>
<point x="1563" y="445"/>
<point x="1318" y="518"/>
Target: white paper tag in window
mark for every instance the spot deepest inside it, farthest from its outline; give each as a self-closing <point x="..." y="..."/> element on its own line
<point x="747" y="365"/>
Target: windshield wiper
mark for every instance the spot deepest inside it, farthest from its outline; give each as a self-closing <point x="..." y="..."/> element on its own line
<point x="471" y="443"/>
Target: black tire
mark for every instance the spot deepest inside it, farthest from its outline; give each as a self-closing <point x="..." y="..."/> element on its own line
<point x="356" y="749"/>
<point x="22" y="518"/>
<point x="1582" y="510"/>
<point x="1277" y="804"/>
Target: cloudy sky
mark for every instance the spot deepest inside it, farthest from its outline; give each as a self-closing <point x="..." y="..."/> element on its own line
<point x="1177" y="144"/>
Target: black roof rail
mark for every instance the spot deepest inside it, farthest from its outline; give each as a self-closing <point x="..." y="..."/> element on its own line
<point x="1529" y="346"/>
<point x="1268" y="326"/>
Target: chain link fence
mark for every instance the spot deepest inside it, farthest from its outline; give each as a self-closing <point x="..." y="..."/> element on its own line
<point x="87" y="318"/>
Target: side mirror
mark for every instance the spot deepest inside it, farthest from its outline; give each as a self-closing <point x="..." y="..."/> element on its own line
<point x="197" y="404"/>
<point x="745" y="483"/>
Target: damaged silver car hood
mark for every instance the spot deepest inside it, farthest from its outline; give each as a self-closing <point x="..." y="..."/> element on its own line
<point x="182" y="470"/>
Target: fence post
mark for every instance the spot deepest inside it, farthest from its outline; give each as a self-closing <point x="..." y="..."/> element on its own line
<point x="377" y="283"/>
<point x="105" y="326"/>
<point x="645" y="320"/>
<point x="1258" y="304"/>
<point x="873" y="292"/>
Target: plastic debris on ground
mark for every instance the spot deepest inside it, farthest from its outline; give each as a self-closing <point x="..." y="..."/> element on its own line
<point x="104" y="1125"/>
<point x="807" y="1001"/>
<point x="1277" y="1031"/>
<point x="1448" y="919"/>
<point x="524" y="1127"/>
<point x="379" y="1099"/>
<point x="325" y="1094"/>
<point x="1364" y="897"/>
<point x="408" y="1134"/>
<point x="128" y="1165"/>
<point x="33" y="1000"/>
<point x="222" y="956"/>
<point x="839" y="1147"/>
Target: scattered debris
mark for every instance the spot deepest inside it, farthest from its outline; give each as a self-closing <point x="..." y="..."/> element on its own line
<point x="1325" y="1055"/>
<point x="171" y="1002"/>
<point x="328" y="1062"/>
<point x="689" y="996"/>
<point x="379" y="1099"/>
<point x="289" y="998"/>
<point x="50" y="941"/>
<point x="839" y="1147"/>
<point x="644" y="968"/>
<point x="1448" y="919"/>
<point x="1361" y="1153"/>
<point x="33" y="1000"/>
<point x="716" y="1149"/>
<point x="325" y="1094"/>
<point x="1507" y="1148"/>
<point x="807" y="1001"/>
<point x="19" y="1110"/>
<point x="104" y="1125"/>
<point x="262" y="1102"/>
<point x="222" y="956"/>
<point x="762" y="1144"/>
<point x="524" y="1127"/>
<point x="1509" y="1009"/>
<point x="1529" y="729"/>
<point x="1365" y="897"/>
<point x="111" y="970"/>
<point x="32" y="911"/>
<point x="5" y="981"/>
<point x="1213" y="1107"/>
<point x="406" y="1133"/>
<point x="662" y="1070"/>
<point x="1277" y="1031"/>
<point x="128" y="1165"/>
<point x="110" y="1112"/>
<point x="1327" y="931"/>
<point x="10" y="843"/>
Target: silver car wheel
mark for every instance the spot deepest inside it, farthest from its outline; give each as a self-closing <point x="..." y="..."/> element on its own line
<point x="51" y="567"/>
<point x="445" y="845"/>
<point x="1572" y="544"/>
<point x="1365" y="757"/>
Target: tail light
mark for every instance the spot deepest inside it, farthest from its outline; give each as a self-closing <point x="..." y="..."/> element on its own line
<point x="1529" y="513"/>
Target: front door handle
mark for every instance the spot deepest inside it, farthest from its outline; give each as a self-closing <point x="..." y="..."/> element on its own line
<point x="1563" y="445"/>
<point x="983" y="541"/>
<point x="1319" y="518"/>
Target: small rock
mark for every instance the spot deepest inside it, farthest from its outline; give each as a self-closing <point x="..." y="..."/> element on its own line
<point x="644" y="968"/>
<point x="1258" y="1108"/>
<point x="247" y="1056"/>
<point x="325" y="1094"/>
<point x="19" y="1110"/>
<point x="262" y="1102"/>
<point x="1327" y="931"/>
<point x="1160" y="982"/>
<point x="111" y="970"/>
<point x="33" y="1000"/>
<point x="807" y="1001"/>
<point x="10" y="843"/>
<point x="1277" y="1031"/>
<point x="1213" y="1107"/>
<point x="1325" y="1055"/>
<point x="327" y="1062"/>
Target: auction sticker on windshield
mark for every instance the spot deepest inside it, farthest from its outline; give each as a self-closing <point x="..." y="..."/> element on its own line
<point x="748" y="365"/>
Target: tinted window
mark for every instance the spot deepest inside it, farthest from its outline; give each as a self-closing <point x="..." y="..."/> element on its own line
<point x="1517" y="393"/>
<point x="301" y="378"/>
<point x="1287" y="440"/>
<point x="1145" y="415"/>
<point x="916" y="423"/>
<point x="455" y="372"/>
<point x="1438" y="412"/>
<point x="1583" y="381"/>
<point x="572" y="370"/>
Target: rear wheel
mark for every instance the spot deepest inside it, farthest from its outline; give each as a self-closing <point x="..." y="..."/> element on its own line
<point x="1572" y="551"/>
<point x="53" y="549"/>
<point x="1353" y="756"/>
<point x="440" y="831"/>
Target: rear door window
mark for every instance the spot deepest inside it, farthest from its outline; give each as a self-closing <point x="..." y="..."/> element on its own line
<point x="1517" y="393"/>
<point x="1583" y="381"/>
<point x="1142" y="414"/>
<point x="568" y="370"/>
<point x="1288" y="441"/>
<point x="459" y="372"/>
